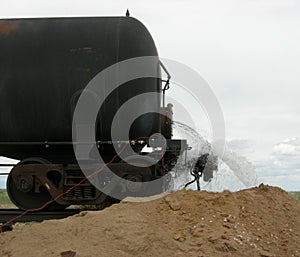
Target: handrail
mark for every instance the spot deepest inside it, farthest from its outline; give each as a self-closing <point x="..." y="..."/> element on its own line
<point x="167" y="85"/>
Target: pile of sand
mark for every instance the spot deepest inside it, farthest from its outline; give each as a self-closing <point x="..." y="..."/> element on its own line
<point x="263" y="221"/>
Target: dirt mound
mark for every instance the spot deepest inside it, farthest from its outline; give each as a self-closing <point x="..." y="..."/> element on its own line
<point x="263" y="221"/>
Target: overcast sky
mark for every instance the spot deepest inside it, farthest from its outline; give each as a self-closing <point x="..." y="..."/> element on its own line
<point x="247" y="50"/>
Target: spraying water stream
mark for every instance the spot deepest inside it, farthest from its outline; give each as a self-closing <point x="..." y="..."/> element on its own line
<point x="234" y="172"/>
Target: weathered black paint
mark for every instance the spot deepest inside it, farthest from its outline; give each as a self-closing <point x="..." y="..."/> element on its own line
<point x="45" y="62"/>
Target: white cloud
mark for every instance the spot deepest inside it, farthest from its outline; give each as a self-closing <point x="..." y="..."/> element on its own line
<point x="286" y="154"/>
<point x="283" y="166"/>
<point x="285" y="149"/>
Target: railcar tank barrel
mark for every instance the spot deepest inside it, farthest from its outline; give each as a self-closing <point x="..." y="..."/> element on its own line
<point x="45" y="63"/>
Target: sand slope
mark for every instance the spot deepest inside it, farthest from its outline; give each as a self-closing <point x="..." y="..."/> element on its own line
<point x="263" y="221"/>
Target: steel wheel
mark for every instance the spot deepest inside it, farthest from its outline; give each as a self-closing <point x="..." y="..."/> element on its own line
<point x="30" y="200"/>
